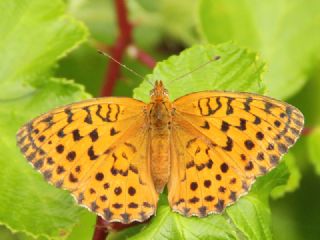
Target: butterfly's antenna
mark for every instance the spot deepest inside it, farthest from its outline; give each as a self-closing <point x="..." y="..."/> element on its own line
<point x="215" y="58"/>
<point x="124" y="66"/>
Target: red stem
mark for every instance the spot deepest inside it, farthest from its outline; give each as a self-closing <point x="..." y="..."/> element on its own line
<point x="141" y="56"/>
<point x="117" y="51"/>
<point x="146" y="59"/>
<point x="307" y="131"/>
<point x="100" y="231"/>
<point x="113" y="71"/>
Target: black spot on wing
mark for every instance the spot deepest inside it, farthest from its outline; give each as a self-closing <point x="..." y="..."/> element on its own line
<point x="202" y="211"/>
<point x="94" y="135"/>
<point x="229" y="145"/>
<point x="91" y="153"/>
<point x="267" y="107"/>
<point x="76" y="135"/>
<point x="69" y="115"/>
<point x="72" y="178"/>
<point x="99" y="176"/>
<point x="220" y="205"/>
<point x="243" y="124"/>
<point x="194" y="200"/>
<point x="224" y="126"/>
<point x="193" y="186"/>
<point x="205" y="125"/>
<point x="88" y="118"/>
<point x="113" y="132"/>
<point x="249" y="144"/>
<point x="246" y="104"/>
<point x="71" y="156"/>
<point x="224" y="167"/>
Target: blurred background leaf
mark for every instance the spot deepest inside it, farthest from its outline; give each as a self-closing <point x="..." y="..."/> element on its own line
<point x="276" y="29"/>
<point x="314" y="149"/>
<point x="35" y="35"/>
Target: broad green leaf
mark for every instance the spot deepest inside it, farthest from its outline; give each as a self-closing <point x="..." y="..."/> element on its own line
<point x="35" y="34"/>
<point x="236" y="70"/>
<point x="99" y="16"/>
<point x="164" y="19"/>
<point x="308" y="99"/>
<point x="284" y="32"/>
<point x="314" y="148"/>
<point x="84" y="229"/>
<point x="6" y="234"/>
<point x="293" y="180"/>
<point x="283" y="217"/>
<point x="86" y="66"/>
<point x="296" y="216"/>
<point x="169" y="225"/>
<point x="251" y="215"/>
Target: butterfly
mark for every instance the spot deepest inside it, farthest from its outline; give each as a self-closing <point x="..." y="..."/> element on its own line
<point x="117" y="154"/>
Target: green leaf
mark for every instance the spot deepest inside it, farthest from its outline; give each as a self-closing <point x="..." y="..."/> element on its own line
<point x="170" y="225"/>
<point x="99" y="17"/>
<point x="164" y="19"/>
<point x="293" y="182"/>
<point x="84" y="229"/>
<point x="236" y="70"/>
<point x="314" y="148"/>
<point x="309" y="96"/>
<point x="284" y="32"/>
<point x="249" y="217"/>
<point x="35" y="34"/>
<point x="159" y="19"/>
<point x="75" y="66"/>
<point x="6" y="234"/>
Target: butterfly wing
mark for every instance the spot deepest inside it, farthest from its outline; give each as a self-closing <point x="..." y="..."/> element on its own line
<point x="98" y="150"/>
<point x="221" y="141"/>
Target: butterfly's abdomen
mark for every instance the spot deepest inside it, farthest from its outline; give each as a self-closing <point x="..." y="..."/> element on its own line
<point x="160" y="121"/>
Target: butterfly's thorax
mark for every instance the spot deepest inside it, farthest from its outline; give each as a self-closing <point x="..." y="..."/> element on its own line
<point x="160" y="122"/>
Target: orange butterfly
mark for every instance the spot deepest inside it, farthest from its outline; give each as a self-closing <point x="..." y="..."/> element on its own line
<point x="116" y="155"/>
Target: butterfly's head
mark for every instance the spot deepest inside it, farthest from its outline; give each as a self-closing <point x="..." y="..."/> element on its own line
<point x="159" y="93"/>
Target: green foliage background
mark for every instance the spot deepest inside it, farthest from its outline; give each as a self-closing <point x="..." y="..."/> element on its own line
<point x="48" y="58"/>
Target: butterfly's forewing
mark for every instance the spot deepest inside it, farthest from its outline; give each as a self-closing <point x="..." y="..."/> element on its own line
<point x="221" y="142"/>
<point x="98" y="150"/>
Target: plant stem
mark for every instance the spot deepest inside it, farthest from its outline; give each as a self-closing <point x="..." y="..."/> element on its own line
<point x="307" y="131"/>
<point x="118" y="49"/>
<point x="141" y="56"/>
<point x="100" y="231"/>
<point x="117" y="52"/>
